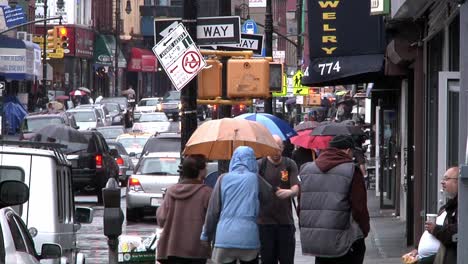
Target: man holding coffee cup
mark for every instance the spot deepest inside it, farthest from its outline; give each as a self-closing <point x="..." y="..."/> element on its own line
<point x="446" y="233"/>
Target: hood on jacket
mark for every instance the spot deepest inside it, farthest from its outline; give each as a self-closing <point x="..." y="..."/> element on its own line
<point x="330" y="158"/>
<point x="184" y="191"/>
<point x="243" y="159"/>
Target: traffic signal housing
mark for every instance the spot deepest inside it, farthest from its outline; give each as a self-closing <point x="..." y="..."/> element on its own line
<point x="62" y="37"/>
<point x="210" y="80"/>
<point x="276" y="77"/>
<point x="248" y="78"/>
<point x="51" y="39"/>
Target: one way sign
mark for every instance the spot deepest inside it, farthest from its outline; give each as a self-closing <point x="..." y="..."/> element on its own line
<point x="248" y="42"/>
<point x="210" y="30"/>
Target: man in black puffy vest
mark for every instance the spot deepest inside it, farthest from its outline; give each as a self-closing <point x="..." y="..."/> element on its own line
<point x="334" y="218"/>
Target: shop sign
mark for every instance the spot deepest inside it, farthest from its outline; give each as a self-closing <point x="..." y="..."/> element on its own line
<point x="13" y="16"/>
<point x="345" y="42"/>
<point x="83" y="43"/>
<point x="16" y="61"/>
<point x="380" y="7"/>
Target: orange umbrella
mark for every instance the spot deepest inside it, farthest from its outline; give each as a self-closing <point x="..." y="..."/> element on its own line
<point x="217" y="139"/>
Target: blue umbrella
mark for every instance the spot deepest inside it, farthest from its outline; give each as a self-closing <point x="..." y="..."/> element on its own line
<point x="274" y="124"/>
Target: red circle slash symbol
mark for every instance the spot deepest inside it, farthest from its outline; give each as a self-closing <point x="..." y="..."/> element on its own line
<point x="191" y="62"/>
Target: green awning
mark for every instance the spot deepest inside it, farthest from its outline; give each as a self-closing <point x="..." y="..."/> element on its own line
<point x="104" y="50"/>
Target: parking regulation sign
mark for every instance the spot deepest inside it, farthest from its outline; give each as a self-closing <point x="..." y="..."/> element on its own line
<point x="179" y="56"/>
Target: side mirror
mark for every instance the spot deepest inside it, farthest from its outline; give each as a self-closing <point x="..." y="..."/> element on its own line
<point x="76" y="127"/>
<point x="13" y="193"/>
<point x="132" y="154"/>
<point x="84" y="215"/>
<point x="51" y="251"/>
<point x="114" y="153"/>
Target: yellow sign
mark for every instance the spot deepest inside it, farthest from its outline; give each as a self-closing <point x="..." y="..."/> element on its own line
<point x="55" y="55"/>
<point x="299" y="89"/>
<point x="284" y="91"/>
<point x="59" y="51"/>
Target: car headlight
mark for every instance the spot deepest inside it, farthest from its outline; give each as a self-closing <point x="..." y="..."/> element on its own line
<point x="159" y="107"/>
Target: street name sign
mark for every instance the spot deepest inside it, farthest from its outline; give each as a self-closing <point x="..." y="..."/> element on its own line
<point x="179" y="56"/>
<point x="210" y="30"/>
<point x="252" y="42"/>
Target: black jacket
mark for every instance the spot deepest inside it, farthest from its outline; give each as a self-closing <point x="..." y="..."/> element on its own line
<point x="445" y="233"/>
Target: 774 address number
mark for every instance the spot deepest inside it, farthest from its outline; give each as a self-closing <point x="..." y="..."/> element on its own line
<point x="328" y="68"/>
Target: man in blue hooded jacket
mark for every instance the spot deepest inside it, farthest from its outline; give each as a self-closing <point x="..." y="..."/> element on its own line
<point x="231" y="220"/>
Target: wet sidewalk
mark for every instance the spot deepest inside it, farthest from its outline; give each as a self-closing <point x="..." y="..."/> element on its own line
<point x="386" y="242"/>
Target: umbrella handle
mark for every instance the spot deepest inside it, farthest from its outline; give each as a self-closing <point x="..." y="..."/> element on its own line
<point x="313" y="155"/>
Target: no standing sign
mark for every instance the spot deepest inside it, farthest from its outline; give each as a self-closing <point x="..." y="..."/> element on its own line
<point x="179" y="56"/>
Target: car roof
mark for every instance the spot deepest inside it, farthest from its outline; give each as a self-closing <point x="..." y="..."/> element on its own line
<point x="86" y="109"/>
<point x="110" y="127"/>
<point x="135" y="135"/>
<point x="150" y="98"/>
<point x="162" y="155"/>
<point x="45" y="115"/>
<point x="168" y="135"/>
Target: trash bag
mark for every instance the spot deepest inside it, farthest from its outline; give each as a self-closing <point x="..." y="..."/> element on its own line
<point x="14" y="113"/>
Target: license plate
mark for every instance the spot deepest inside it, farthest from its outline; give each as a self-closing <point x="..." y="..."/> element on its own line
<point x="155" y="202"/>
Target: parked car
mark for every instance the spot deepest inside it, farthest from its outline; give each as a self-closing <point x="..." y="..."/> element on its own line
<point x="34" y="122"/>
<point x="103" y="112"/>
<point x="87" y="118"/>
<point x="133" y="143"/>
<point x="93" y="165"/>
<point x="50" y="214"/>
<point x="117" y="114"/>
<point x="124" y="161"/>
<point x="17" y="245"/>
<point x="152" y="123"/>
<point x="110" y="133"/>
<point x="153" y="174"/>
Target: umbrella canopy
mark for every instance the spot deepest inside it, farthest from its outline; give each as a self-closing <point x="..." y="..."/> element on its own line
<point x="84" y="89"/>
<point x="305" y="140"/>
<point x="60" y="133"/>
<point x="77" y="93"/>
<point x="62" y="97"/>
<point x="275" y="125"/>
<point x="334" y="129"/>
<point x="217" y="139"/>
<point x="307" y="125"/>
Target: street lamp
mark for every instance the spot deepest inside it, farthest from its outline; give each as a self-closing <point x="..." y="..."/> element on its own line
<point x="128" y="9"/>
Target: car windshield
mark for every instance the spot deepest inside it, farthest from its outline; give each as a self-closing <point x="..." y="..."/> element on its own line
<point x="157" y="117"/>
<point x="152" y="102"/>
<point x="133" y="142"/>
<point x="111" y="132"/>
<point x="173" y="96"/>
<point x="163" y="145"/>
<point x="113" y="108"/>
<point x="120" y="100"/>
<point x="35" y="124"/>
<point x="84" y="116"/>
<point x="159" y="166"/>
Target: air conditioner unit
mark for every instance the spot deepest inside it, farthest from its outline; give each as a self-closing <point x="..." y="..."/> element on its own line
<point x="29" y="37"/>
<point x="22" y="35"/>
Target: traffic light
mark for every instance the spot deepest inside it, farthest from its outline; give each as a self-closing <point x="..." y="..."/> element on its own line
<point x="248" y="78"/>
<point x="210" y="80"/>
<point x="62" y="37"/>
<point x="276" y="77"/>
<point x="51" y="39"/>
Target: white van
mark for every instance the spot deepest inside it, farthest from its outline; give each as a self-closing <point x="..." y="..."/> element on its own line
<point x="50" y="213"/>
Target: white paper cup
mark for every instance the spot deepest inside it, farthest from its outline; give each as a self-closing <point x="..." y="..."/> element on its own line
<point x="431" y="218"/>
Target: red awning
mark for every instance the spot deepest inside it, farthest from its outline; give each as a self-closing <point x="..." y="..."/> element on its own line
<point x="142" y="60"/>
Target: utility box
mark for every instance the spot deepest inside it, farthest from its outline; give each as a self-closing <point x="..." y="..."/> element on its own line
<point x="248" y="78"/>
<point x="210" y="80"/>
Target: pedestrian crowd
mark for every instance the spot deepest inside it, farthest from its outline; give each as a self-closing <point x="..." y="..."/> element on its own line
<point x="248" y="217"/>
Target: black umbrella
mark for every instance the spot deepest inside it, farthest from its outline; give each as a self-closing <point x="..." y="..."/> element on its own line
<point x="334" y="129"/>
<point x="306" y="125"/>
<point x="60" y="133"/>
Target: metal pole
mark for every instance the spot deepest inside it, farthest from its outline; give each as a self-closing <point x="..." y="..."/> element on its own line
<point x="117" y="40"/>
<point x="30" y="22"/>
<point x="189" y="92"/>
<point x="299" y="51"/>
<point x="224" y="110"/>
<point x="44" y="49"/>
<point x="268" y="47"/>
<point x="462" y="137"/>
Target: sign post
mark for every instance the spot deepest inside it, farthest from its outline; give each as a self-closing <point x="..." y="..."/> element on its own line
<point x="179" y="56"/>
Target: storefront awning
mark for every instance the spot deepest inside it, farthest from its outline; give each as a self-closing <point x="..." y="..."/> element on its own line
<point x="104" y="50"/>
<point x="17" y="60"/>
<point x="142" y="60"/>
